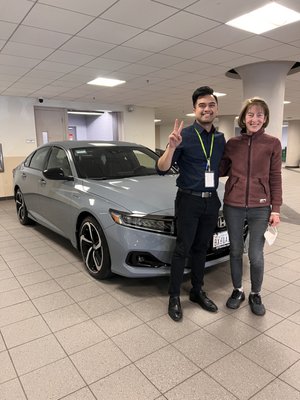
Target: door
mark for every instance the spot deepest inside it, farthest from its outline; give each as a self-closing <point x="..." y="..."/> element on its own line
<point x="50" y="124"/>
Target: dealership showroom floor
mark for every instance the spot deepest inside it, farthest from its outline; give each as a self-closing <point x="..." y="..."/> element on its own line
<point x="65" y="335"/>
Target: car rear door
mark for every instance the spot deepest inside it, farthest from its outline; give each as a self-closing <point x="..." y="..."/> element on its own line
<point x="55" y="195"/>
<point x="30" y="176"/>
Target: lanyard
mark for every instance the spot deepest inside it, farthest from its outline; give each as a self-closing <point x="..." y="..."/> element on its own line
<point x="203" y="148"/>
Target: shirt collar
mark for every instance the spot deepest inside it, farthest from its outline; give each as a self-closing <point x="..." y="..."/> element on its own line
<point x="202" y="130"/>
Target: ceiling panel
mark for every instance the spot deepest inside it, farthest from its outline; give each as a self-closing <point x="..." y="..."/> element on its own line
<point x="110" y="32"/>
<point x="14" y="10"/>
<point x="140" y="13"/>
<point x="162" y="48"/>
<point x="39" y="37"/>
<point x="87" y="46"/>
<point x="152" y="41"/>
<point x="56" y="19"/>
<point x="90" y="7"/>
<point x="184" y="25"/>
<point x="6" y="29"/>
<point x="26" y="50"/>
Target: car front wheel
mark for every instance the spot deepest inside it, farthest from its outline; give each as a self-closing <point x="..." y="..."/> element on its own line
<point x="94" y="249"/>
<point x="21" y="209"/>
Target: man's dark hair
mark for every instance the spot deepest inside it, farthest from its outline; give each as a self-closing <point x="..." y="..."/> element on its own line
<point x="203" y="91"/>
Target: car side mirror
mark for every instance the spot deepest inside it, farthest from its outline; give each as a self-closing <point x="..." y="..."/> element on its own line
<point x="56" y="174"/>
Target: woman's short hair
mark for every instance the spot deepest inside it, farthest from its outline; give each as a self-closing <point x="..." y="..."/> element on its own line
<point x="254" y="101"/>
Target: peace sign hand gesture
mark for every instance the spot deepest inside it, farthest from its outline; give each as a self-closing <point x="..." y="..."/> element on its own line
<point x="175" y="137"/>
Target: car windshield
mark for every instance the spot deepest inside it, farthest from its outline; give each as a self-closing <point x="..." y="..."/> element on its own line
<point x="113" y="161"/>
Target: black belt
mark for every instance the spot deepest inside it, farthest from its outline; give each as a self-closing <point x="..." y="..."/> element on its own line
<point x="200" y="194"/>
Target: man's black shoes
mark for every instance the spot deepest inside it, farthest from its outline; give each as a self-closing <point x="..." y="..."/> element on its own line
<point x="235" y="299"/>
<point x="203" y="301"/>
<point x="174" y="310"/>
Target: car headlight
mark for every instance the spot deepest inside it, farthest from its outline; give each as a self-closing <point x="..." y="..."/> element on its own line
<point x="154" y="223"/>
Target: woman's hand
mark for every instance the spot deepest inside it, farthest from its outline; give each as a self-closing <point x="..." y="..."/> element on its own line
<point x="274" y="219"/>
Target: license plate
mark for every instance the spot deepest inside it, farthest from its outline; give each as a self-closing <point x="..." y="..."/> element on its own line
<point x="220" y="239"/>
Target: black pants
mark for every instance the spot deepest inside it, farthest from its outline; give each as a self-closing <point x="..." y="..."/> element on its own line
<point x="196" y="221"/>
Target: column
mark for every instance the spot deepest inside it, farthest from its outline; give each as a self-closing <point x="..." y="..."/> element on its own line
<point x="293" y="144"/>
<point x="227" y="125"/>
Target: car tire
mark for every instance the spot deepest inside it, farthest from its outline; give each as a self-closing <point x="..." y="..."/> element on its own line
<point x="94" y="249"/>
<point x="22" y="212"/>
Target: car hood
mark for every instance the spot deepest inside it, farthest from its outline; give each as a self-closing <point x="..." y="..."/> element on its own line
<point x="153" y="194"/>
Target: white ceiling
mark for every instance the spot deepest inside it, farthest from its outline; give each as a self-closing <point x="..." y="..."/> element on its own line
<point x="164" y="49"/>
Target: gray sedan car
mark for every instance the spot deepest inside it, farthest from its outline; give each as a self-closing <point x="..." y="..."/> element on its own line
<point x="107" y="199"/>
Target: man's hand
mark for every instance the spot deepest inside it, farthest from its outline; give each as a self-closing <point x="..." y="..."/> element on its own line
<point x="175" y="137"/>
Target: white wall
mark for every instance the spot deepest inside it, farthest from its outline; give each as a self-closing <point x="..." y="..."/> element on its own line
<point x="139" y="127"/>
<point x="17" y="126"/>
<point x="100" y="128"/>
<point x="165" y="131"/>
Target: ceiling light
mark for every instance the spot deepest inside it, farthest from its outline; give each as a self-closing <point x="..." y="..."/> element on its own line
<point x="286" y="102"/>
<point x="85" y="112"/>
<point x="265" y="19"/>
<point x="190" y="115"/>
<point x="157" y="120"/>
<point x="105" y="82"/>
<point x="218" y="94"/>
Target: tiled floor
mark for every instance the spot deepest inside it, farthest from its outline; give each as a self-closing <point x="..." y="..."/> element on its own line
<point x="67" y="336"/>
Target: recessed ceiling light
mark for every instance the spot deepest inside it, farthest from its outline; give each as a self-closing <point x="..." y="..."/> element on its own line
<point x="85" y="112"/>
<point x="157" y="120"/>
<point x="265" y="18"/>
<point x="218" y="94"/>
<point x="105" y="82"/>
<point x="190" y="115"/>
<point x="286" y="102"/>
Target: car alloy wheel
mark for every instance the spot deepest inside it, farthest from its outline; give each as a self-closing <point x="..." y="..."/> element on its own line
<point x="94" y="249"/>
<point x="21" y="208"/>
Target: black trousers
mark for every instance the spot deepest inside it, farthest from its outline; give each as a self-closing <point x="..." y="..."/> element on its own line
<point x="196" y="221"/>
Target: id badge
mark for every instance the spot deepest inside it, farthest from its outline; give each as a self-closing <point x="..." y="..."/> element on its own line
<point x="209" y="179"/>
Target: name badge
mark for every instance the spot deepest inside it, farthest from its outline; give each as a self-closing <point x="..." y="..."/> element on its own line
<point x="209" y="179"/>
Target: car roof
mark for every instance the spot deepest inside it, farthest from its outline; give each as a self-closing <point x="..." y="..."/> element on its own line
<point x="73" y="144"/>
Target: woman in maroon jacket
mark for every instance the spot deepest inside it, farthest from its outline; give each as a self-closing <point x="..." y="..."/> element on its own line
<point x="253" y="192"/>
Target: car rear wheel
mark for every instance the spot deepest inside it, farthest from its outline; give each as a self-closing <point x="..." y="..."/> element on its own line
<point x="94" y="249"/>
<point x="21" y="209"/>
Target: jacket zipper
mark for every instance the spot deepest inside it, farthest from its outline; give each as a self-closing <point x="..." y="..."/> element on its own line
<point x="248" y="171"/>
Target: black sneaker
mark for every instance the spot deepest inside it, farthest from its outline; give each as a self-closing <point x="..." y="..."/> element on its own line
<point x="256" y="305"/>
<point x="235" y="299"/>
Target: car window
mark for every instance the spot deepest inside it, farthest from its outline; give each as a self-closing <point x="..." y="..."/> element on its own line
<point x="39" y="158"/>
<point x="59" y="159"/>
<point x="28" y="159"/>
<point x="114" y="162"/>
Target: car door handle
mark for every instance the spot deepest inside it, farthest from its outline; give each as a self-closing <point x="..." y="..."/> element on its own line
<point x="42" y="181"/>
<point x="24" y="175"/>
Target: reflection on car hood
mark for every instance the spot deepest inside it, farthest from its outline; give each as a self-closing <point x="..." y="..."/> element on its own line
<point x="145" y="194"/>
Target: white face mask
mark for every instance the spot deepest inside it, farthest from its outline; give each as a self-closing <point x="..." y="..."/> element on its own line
<point x="271" y="234"/>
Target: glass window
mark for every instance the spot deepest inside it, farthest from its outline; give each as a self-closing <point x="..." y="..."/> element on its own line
<point x="111" y="161"/>
<point x="58" y="159"/>
<point x="38" y="159"/>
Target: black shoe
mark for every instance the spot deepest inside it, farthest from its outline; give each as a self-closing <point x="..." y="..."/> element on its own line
<point x="203" y="301"/>
<point x="235" y="299"/>
<point x="256" y="305"/>
<point x="174" y="310"/>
